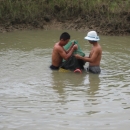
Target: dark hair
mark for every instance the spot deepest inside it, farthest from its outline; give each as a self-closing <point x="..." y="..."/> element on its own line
<point x="65" y="36"/>
<point x="92" y="41"/>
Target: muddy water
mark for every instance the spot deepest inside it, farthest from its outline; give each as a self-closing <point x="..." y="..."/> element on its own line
<point x="33" y="97"/>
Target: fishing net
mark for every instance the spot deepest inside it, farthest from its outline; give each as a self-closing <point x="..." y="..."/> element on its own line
<point x="72" y="63"/>
<point x="78" y="51"/>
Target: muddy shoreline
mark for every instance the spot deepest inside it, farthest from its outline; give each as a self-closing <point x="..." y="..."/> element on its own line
<point x="78" y="25"/>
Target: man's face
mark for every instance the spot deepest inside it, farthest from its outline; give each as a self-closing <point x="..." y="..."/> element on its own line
<point x="91" y="42"/>
<point x="64" y="42"/>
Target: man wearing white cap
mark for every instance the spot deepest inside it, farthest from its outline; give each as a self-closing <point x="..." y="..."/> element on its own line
<point x="95" y="55"/>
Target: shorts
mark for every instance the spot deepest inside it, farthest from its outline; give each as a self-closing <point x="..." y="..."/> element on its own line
<point x="94" y="69"/>
<point x="54" y="67"/>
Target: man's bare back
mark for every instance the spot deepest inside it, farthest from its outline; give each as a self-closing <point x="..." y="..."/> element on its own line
<point x="59" y="54"/>
<point x="56" y="57"/>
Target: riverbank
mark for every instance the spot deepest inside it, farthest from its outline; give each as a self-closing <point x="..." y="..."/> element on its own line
<point x="78" y="25"/>
<point x="107" y="18"/>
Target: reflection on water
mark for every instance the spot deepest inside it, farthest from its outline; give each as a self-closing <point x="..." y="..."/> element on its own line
<point x="34" y="97"/>
<point x="94" y="82"/>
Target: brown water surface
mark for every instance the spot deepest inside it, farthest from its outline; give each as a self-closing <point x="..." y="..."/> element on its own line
<point x="33" y="97"/>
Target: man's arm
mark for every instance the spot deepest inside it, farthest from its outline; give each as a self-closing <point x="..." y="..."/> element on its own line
<point x="65" y="55"/>
<point x="88" y="59"/>
<point x="67" y="51"/>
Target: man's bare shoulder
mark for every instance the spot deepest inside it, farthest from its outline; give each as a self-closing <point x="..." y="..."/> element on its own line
<point x="98" y="48"/>
<point x="57" y="47"/>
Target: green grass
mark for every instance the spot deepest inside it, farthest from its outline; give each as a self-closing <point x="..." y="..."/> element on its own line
<point x="28" y="11"/>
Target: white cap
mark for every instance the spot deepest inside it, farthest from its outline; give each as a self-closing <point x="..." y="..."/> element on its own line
<point x="92" y="36"/>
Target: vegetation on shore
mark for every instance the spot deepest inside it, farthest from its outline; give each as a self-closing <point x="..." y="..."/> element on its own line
<point x="105" y="16"/>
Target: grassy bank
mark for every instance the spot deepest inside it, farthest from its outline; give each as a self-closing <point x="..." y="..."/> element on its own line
<point x="110" y="16"/>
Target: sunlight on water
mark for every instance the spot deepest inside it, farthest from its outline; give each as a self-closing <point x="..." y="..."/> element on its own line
<point x="33" y="97"/>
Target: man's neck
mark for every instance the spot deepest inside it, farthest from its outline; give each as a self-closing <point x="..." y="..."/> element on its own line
<point x="59" y="43"/>
<point x="95" y="44"/>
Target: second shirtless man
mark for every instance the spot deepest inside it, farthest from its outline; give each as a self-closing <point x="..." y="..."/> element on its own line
<point x="95" y="55"/>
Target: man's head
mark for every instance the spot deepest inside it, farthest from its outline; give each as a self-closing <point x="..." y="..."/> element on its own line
<point x="92" y="36"/>
<point x="64" y="38"/>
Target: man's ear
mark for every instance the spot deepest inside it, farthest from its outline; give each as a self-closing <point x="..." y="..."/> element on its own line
<point x="61" y="39"/>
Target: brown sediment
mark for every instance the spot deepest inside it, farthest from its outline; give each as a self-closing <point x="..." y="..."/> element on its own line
<point x="101" y="26"/>
<point x="78" y="24"/>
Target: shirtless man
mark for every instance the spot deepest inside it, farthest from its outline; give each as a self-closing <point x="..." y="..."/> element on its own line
<point x="59" y="53"/>
<point x="95" y="53"/>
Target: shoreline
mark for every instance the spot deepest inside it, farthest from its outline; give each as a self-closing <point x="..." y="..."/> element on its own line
<point x="77" y="25"/>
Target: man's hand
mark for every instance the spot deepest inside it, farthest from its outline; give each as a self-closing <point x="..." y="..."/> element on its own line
<point x="75" y="47"/>
<point x="77" y="56"/>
